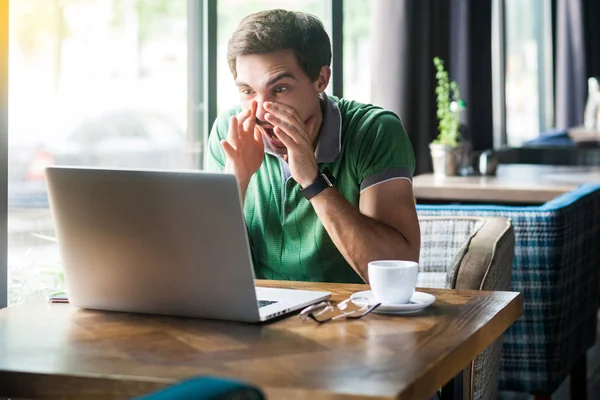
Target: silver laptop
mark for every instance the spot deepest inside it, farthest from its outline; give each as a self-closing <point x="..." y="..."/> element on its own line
<point x="160" y="242"/>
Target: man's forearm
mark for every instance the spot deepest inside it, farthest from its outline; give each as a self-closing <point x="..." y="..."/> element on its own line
<point x="359" y="238"/>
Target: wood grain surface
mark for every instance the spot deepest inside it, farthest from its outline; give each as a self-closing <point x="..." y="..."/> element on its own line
<point x="58" y="351"/>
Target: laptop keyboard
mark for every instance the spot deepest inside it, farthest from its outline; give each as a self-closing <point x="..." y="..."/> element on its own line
<point x="264" y="303"/>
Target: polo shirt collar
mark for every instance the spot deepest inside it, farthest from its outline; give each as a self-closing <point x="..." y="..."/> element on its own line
<point x="330" y="137"/>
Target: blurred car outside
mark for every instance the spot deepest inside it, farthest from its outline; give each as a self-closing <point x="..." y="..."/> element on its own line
<point x="121" y="138"/>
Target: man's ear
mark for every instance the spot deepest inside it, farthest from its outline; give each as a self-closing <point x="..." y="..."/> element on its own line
<point x="323" y="79"/>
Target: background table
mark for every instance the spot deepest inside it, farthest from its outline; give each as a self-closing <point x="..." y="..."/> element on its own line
<point x="513" y="183"/>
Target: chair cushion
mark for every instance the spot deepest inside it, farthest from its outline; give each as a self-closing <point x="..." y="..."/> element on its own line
<point x="432" y="279"/>
<point x="443" y="244"/>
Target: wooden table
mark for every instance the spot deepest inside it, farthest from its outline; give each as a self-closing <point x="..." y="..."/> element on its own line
<point x="513" y="183"/>
<point x="58" y="351"/>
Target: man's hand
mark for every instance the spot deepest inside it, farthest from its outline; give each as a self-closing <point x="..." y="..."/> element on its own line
<point x="296" y="136"/>
<point x="244" y="147"/>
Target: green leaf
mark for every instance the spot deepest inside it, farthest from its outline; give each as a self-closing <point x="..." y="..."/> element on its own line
<point x="446" y="91"/>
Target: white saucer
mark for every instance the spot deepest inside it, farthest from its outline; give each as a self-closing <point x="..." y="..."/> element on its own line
<point x="418" y="301"/>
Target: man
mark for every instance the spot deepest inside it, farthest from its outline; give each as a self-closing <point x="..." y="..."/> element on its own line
<point x="326" y="182"/>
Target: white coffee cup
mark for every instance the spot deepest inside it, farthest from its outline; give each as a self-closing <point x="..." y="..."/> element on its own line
<point x="393" y="281"/>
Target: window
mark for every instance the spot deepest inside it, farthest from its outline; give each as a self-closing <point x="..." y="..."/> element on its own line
<point x="95" y="83"/>
<point x="105" y="83"/>
<point x="529" y="94"/>
<point x="357" y="50"/>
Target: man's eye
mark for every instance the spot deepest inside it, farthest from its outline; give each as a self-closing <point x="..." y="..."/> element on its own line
<point x="281" y="89"/>
<point x="246" y="91"/>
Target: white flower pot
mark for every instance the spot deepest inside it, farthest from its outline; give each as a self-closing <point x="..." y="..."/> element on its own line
<point x="446" y="159"/>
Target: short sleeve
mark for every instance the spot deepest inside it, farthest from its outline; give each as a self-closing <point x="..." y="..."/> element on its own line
<point x="216" y="155"/>
<point x="385" y="152"/>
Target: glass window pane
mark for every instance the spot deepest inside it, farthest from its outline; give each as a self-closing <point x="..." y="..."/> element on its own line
<point x="92" y="83"/>
<point x="229" y="14"/>
<point x="357" y="50"/>
<point x="528" y="69"/>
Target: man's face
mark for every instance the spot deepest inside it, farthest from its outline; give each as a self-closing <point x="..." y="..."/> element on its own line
<point x="277" y="77"/>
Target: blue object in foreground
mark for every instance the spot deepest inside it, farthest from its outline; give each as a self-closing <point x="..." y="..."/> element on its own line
<point x="208" y="388"/>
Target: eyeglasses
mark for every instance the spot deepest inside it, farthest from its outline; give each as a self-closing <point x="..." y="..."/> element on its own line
<point x="317" y="312"/>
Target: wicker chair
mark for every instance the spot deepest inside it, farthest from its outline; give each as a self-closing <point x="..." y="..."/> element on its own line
<point x="473" y="253"/>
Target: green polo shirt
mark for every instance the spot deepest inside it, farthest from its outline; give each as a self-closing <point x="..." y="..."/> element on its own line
<point x="362" y="145"/>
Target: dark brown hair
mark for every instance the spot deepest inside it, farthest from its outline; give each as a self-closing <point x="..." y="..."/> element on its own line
<point x="273" y="30"/>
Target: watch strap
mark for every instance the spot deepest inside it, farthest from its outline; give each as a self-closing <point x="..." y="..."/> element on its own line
<point x="324" y="180"/>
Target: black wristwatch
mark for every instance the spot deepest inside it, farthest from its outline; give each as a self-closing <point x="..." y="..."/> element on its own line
<point x="324" y="180"/>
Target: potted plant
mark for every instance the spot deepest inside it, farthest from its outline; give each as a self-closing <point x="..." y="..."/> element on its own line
<point x="446" y="149"/>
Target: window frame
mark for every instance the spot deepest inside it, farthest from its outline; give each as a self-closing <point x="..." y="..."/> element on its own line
<point x="336" y="9"/>
<point x="500" y="138"/>
<point x="4" y="152"/>
<point x="202" y="73"/>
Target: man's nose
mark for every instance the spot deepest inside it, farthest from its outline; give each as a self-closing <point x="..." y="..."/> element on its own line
<point x="260" y="109"/>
